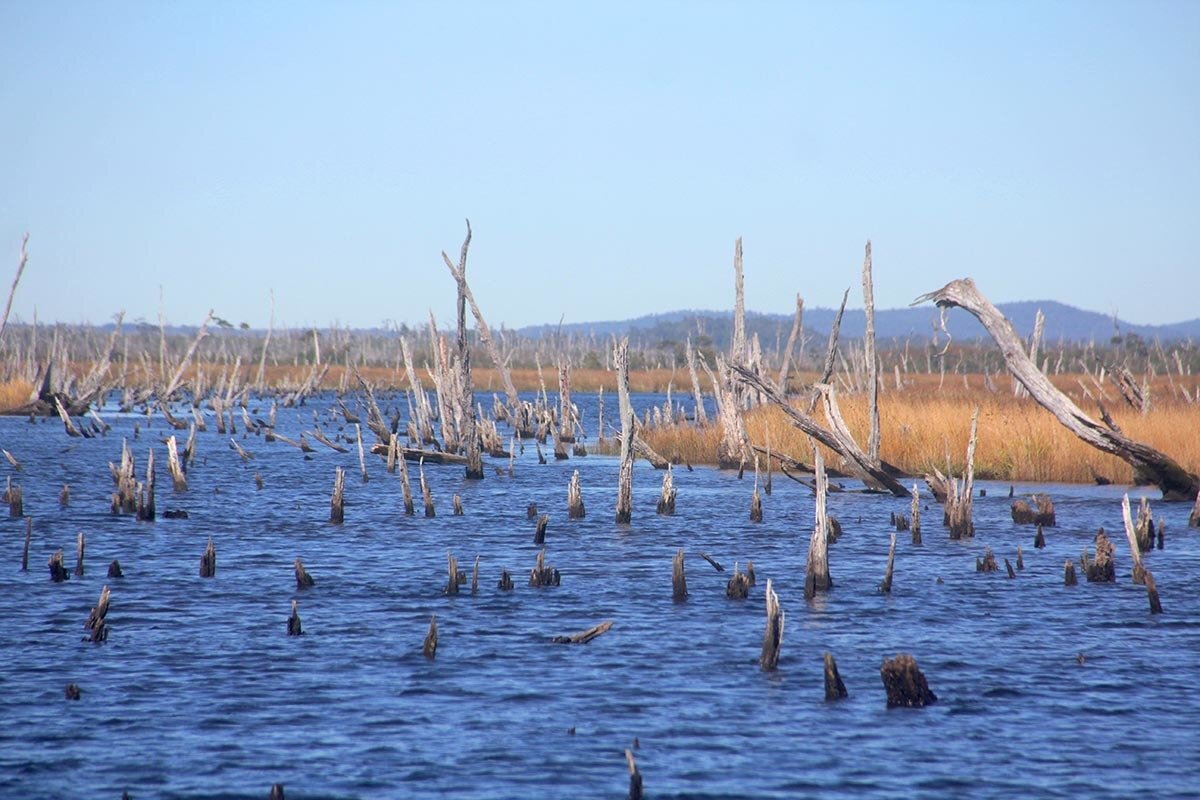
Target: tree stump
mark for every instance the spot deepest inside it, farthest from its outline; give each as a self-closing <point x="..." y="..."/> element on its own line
<point x="905" y="684"/>
<point x="679" y="590"/>
<point x="835" y="689"/>
<point x="294" y="627"/>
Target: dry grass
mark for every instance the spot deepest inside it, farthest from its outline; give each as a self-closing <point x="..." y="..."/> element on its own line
<point x="14" y="394"/>
<point x="923" y="428"/>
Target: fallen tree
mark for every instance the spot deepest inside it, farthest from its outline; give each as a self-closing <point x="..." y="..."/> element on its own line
<point x="1176" y="483"/>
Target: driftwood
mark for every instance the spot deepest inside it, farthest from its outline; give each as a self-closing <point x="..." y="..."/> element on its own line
<point x="294" y="628"/>
<point x="773" y="635"/>
<point x="625" y="469"/>
<point x="429" y="647"/>
<point x="303" y="579"/>
<point x="715" y="565"/>
<point x="835" y="689"/>
<point x="1176" y="483"/>
<point x="905" y="684"/>
<point x="583" y="637"/>
<point x="679" y="590"/>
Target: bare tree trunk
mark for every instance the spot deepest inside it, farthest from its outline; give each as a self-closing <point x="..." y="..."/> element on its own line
<point x="701" y="416"/>
<point x="830" y="352"/>
<point x="1176" y="483"/>
<point x="466" y="401"/>
<point x="737" y="347"/>
<point x="24" y="259"/>
<point x="625" y="474"/>
<point x="786" y="359"/>
<point x="871" y="358"/>
<point x="816" y="576"/>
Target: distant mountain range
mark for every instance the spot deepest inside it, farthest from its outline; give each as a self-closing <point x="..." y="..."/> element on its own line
<point x="1062" y="323"/>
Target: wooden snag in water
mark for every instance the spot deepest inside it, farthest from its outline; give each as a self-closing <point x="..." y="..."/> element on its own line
<point x="756" y="514"/>
<point x="1069" y="578"/>
<point x="25" y="551"/>
<point x="738" y="587"/>
<point x="114" y="569"/>
<point x="58" y="572"/>
<point x="13" y="496"/>
<point x="958" y="503"/>
<point x="80" y="546"/>
<point x="666" y="501"/>
<point x="456" y="501"/>
<point x="835" y="689"/>
<point x="1152" y="593"/>
<point x="505" y="583"/>
<point x="426" y="494"/>
<point x="208" y="561"/>
<point x="816" y="577"/>
<point x="452" y="580"/>
<point x="1020" y="558"/>
<point x="905" y="684"/>
<point x="1176" y="483"/>
<point x="1194" y="517"/>
<point x="624" y="512"/>
<point x="575" y="509"/>
<point x="429" y="648"/>
<point x="1144" y="527"/>
<point x="531" y="511"/>
<point x="1131" y="535"/>
<point x="915" y="522"/>
<point x="988" y="562"/>
<point x="258" y="481"/>
<point x="750" y="579"/>
<point x="679" y="590"/>
<point x="294" y="627"/>
<point x="64" y="496"/>
<point x="542" y="575"/>
<point x="276" y="788"/>
<point x="715" y="564"/>
<point x="406" y="489"/>
<point x="1009" y="567"/>
<point x="303" y="579"/>
<point x="71" y="692"/>
<point x="1039" y="540"/>
<point x="886" y="586"/>
<point x="97" y="619"/>
<point x="773" y="635"/>
<point x="178" y="477"/>
<point x="1102" y="568"/>
<point x="337" y="502"/>
<point x="475" y="577"/>
<point x="635" y="778"/>
<point x="583" y="637"/>
<point x="539" y="535"/>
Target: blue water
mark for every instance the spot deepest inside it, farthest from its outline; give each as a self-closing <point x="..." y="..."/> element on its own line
<point x="199" y="692"/>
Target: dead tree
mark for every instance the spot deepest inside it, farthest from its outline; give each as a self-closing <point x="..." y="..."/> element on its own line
<point x="635" y="778"/>
<point x="679" y="590"/>
<point x="178" y="478"/>
<point x="1194" y="517"/>
<point x="1176" y="483"/>
<point x="773" y="635"/>
<point x="1144" y="527"/>
<point x="583" y="637"/>
<point x="97" y="621"/>
<point x="466" y="398"/>
<point x="835" y="689"/>
<point x="303" y="579"/>
<point x="886" y="586"/>
<point x="543" y="575"/>
<point x="915" y="522"/>
<point x="575" y="509"/>
<point x="701" y="416"/>
<point x="988" y="562"/>
<point x="114" y="569"/>
<point x="337" y="502"/>
<point x="738" y="586"/>
<point x="58" y="572"/>
<point x="1043" y="515"/>
<point x="625" y="470"/>
<point x="905" y="684"/>
<point x="406" y="489"/>
<point x="294" y="628"/>
<point x="756" y="513"/>
<point x="208" y="561"/>
<point x="830" y="353"/>
<point x="452" y="575"/>
<point x="793" y="337"/>
<point x="429" y="648"/>
<point x="1102" y="568"/>
<point x="1131" y="535"/>
<point x="1152" y="593"/>
<point x="816" y="575"/>
<point x="80" y="545"/>
<point x="959" y="498"/>
<point x="666" y="501"/>
<point x="1069" y="578"/>
<point x="837" y="439"/>
<point x="28" y="538"/>
<point x="539" y="534"/>
<point x="871" y="358"/>
<point x="733" y="445"/>
<point x="426" y="493"/>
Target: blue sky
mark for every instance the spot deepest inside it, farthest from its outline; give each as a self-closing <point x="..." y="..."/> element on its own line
<point x="607" y="155"/>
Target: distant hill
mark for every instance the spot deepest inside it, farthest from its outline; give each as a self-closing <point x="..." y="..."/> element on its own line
<point x="1062" y="323"/>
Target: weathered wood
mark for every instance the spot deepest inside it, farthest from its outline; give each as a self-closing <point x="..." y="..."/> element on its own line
<point x="700" y="415"/>
<point x="886" y="586"/>
<point x="452" y="575"/>
<point x="22" y="260"/>
<point x="303" y="579"/>
<point x="835" y="689"/>
<point x="337" y="501"/>
<point x="756" y="512"/>
<point x="539" y="534"/>
<point x="1152" y="593"/>
<point x="426" y="493"/>
<point x="114" y="569"/>
<point x="505" y="583"/>
<point x="635" y="778"/>
<point x="830" y="353"/>
<point x="1069" y="578"/>
<point x="796" y="334"/>
<point x="25" y="550"/>
<point x="1131" y="536"/>
<point x="738" y="586"/>
<point x="466" y="391"/>
<point x="575" y="508"/>
<point x="1043" y="515"/>
<point x="773" y="635"/>
<point x="666" y="500"/>
<point x="1039" y="540"/>
<point x="715" y="564"/>
<point x="872" y="360"/>
<point x="816" y="573"/>
<point x="97" y="621"/>
<point x="1102" y="568"/>
<point x="1176" y="483"/>
<point x="80" y="546"/>
<point x="178" y="477"/>
<point x="72" y="692"/>
<point x="64" y="496"/>
<point x="429" y="647"/>
<point x="733" y="446"/>
<point x="1009" y="568"/>
<point x="1144" y="527"/>
<point x="1020" y="558"/>
<point x="542" y="574"/>
<point x="406" y="489"/>
<point x="915" y="522"/>
<point x="624" y="511"/>
<point x="988" y="562"/>
<point x="1194" y="517"/>
<point x="679" y="590"/>
<point x="959" y="503"/>
<point x="583" y="637"/>
<point x="58" y="572"/>
<point x="905" y="684"/>
<point x="208" y="561"/>
<point x="838" y="439"/>
<point x="294" y="627"/>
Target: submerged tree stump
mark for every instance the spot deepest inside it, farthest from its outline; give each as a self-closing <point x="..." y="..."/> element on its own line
<point x="303" y="579"/>
<point x="666" y="500"/>
<point x="756" y="514"/>
<point x="456" y="502"/>
<point x="28" y="539"/>
<point x="816" y="577"/>
<point x="1133" y="534"/>
<point x="1039" y="540"/>
<point x="773" y="635"/>
<point x="1152" y="593"/>
<point x="1194" y="517"/>
<point x="1069" y="578"/>
<point x="429" y="647"/>
<point x="624" y="511"/>
<point x="915" y="522"/>
<point x="97" y="619"/>
<point x="835" y="689"/>
<point x="58" y="572"/>
<point x="452" y="575"/>
<point x="80" y="546"/>
<point x="1102" y="568"/>
<point x="679" y="590"/>
<point x="583" y="637"/>
<point x="543" y="575"/>
<point x="72" y="692"/>
<point x="114" y="569"/>
<point x="738" y="586"/>
<point x="988" y="562"/>
<point x="635" y="778"/>
<point x="885" y="587"/>
<point x="208" y="561"/>
<point x="539" y="534"/>
<point x="905" y="684"/>
<point x="506" y="583"/>
<point x="1144" y="527"/>
<point x="294" y="628"/>
<point x="575" y="508"/>
<point x="1043" y="515"/>
<point x="337" y="502"/>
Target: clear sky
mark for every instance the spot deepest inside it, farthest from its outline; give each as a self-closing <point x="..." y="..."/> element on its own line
<point x="607" y="154"/>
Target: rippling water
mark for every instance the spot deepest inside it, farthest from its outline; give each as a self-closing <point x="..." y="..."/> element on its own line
<point x="199" y="692"/>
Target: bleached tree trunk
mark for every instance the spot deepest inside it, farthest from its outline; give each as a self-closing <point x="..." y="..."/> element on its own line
<point x="793" y="337"/>
<point x="871" y="358"/>
<point x="625" y="470"/>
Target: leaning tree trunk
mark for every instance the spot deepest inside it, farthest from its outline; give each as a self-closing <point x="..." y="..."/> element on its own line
<point x="1176" y="483"/>
<point x="793" y="337"/>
